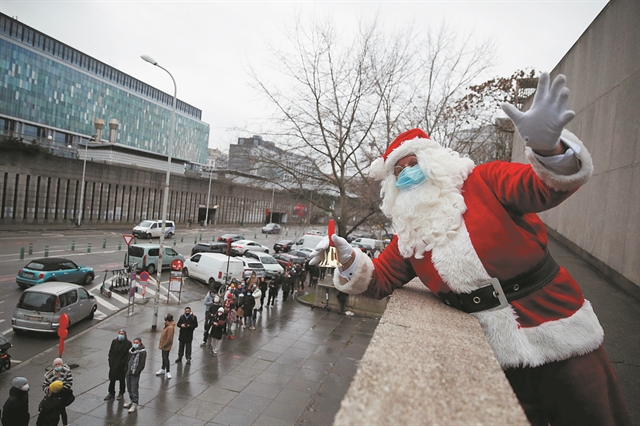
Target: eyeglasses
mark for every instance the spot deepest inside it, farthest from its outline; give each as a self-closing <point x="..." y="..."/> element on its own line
<point x="412" y="162"/>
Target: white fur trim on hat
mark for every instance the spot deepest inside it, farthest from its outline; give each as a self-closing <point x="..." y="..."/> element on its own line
<point x="380" y="169"/>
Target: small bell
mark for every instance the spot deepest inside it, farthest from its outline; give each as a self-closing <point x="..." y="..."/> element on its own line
<point x="330" y="259"/>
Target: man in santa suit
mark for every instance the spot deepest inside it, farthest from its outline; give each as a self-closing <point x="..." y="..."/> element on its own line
<point x="471" y="235"/>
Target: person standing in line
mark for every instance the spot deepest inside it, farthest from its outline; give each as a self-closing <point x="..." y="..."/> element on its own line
<point x="135" y="364"/>
<point x="240" y="303"/>
<point x="274" y="286"/>
<point x="230" y="311"/>
<point x="118" y="355"/>
<point x="217" y="329"/>
<point x="187" y="323"/>
<point x="211" y="309"/>
<point x="342" y="301"/>
<point x="264" y="285"/>
<point x="165" y="345"/>
<point x="52" y="406"/>
<point x="249" y="304"/>
<point x="15" y="411"/>
<point x="257" y="296"/>
<point x="251" y="281"/>
<point x="61" y="372"/>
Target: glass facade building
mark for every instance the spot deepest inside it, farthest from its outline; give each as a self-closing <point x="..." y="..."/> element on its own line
<point x="50" y="90"/>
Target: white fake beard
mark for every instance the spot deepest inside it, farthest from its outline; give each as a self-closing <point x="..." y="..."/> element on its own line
<point x="428" y="215"/>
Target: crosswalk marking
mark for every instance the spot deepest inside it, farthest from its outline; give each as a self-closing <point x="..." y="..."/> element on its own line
<point x="106" y="304"/>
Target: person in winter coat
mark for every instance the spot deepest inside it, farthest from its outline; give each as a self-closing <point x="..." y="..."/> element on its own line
<point x="211" y="303"/>
<point x="230" y="312"/>
<point x="118" y="355"/>
<point x="52" y="406"/>
<point x="135" y="364"/>
<point x="165" y="345"/>
<point x="15" y="411"/>
<point x="61" y="372"/>
<point x="274" y="286"/>
<point x="263" y="285"/>
<point x="217" y="329"/>
<point x="249" y="304"/>
<point x="187" y="323"/>
<point x="252" y="280"/>
<point x="472" y="235"/>
<point x="257" y="296"/>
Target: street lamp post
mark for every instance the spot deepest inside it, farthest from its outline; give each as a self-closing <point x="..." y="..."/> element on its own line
<point x="206" y="216"/>
<point x="165" y="200"/>
<point x="273" y="191"/>
<point x="84" y="169"/>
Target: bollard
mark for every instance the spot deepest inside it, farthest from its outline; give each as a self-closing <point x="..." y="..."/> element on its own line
<point x="200" y="236"/>
<point x="182" y="239"/>
<point x="255" y="235"/>
<point x="89" y="248"/>
<point x="266" y="236"/>
<point x="21" y="252"/>
<point x="73" y="245"/>
<point x="119" y="245"/>
<point x="174" y="241"/>
<point x="195" y="241"/>
<point x="46" y="251"/>
<point x="135" y="240"/>
<point x="30" y="248"/>
<point x="213" y="238"/>
<point x="104" y="243"/>
<point x="286" y="233"/>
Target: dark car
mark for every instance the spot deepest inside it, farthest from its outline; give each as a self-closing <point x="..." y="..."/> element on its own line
<point x="234" y="237"/>
<point x="283" y="246"/>
<point x="39" y="271"/>
<point x="286" y="259"/>
<point x="300" y="253"/>
<point x="213" y="248"/>
<point x="271" y="228"/>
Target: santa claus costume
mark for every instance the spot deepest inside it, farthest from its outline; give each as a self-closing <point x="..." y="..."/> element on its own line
<point x="471" y="235"/>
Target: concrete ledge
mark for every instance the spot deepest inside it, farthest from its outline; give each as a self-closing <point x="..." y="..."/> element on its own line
<point x="428" y="364"/>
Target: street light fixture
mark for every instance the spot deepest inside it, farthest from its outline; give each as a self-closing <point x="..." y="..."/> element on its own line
<point x="206" y="216"/>
<point x="165" y="200"/>
<point x="84" y="169"/>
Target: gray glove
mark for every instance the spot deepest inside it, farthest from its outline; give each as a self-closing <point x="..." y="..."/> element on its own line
<point x="345" y="251"/>
<point x="542" y="124"/>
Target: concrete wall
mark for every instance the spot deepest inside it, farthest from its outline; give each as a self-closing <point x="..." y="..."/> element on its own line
<point x="45" y="189"/>
<point x="601" y="221"/>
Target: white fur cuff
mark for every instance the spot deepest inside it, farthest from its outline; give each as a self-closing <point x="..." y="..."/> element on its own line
<point x="564" y="182"/>
<point x="361" y="277"/>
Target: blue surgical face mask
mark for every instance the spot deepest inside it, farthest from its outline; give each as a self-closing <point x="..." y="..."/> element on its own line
<point x="135" y="346"/>
<point x="120" y="336"/>
<point x="58" y="368"/>
<point x="410" y="178"/>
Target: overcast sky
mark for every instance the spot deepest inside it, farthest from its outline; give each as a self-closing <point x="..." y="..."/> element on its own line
<point x="207" y="45"/>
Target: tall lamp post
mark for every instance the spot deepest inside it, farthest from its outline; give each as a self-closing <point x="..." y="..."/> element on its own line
<point x="206" y="216"/>
<point x="84" y="169"/>
<point x="165" y="200"/>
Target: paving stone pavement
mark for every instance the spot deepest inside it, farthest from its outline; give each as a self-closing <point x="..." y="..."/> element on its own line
<point x="293" y="369"/>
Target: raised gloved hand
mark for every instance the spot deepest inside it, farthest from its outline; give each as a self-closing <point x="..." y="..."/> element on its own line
<point x="542" y="124"/>
<point x="344" y="249"/>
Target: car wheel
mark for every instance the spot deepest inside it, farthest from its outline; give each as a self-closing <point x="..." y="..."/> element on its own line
<point x="17" y="330"/>
<point x="93" y="311"/>
<point x="212" y="284"/>
<point x="88" y="279"/>
<point x="185" y="273"/>
<point x="149" y="236"/>
<point x="267" y="251"/>
<point x="151" y="269"/>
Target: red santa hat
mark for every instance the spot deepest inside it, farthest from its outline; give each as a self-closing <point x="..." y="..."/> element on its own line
<point x="406" y="143"/>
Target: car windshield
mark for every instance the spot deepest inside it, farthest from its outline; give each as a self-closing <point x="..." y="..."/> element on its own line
<point x="136" y="251"/>
<point x="35" y="301"/>
<point x="268" y="260"/>
<point x="146" y="224"/>
<point x="35" y="266"/>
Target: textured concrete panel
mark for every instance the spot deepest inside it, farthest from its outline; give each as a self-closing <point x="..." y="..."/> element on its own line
<point x="625" y="139"/>
<point x="428" y="364"/>
<point x="617" y="214"/>
<point x="631" y="263"/>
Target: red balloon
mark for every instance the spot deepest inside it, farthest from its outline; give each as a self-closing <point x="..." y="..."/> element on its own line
<point x="62" y="331"/>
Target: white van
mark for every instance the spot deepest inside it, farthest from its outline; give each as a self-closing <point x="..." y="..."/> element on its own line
<point x="270" y="264"/>
<point x="369" y="244"/>
<point x="153" y="229"/>
<point x="307" y="241"/>
<point x="211" y="268"/>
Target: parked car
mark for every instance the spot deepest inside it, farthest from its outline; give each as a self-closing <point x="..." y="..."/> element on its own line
<point x="213" y="268"/>
<point x="314" y="232"/>
<point x="369" y="244"/>
<point x="153" y="229"/>
<point x="252" y="265"/>
<point x="307" y="241"/>
<point x="39" y="308"/>
<point x="146" y="256"/>
<point x="213" y="248"/>
<point x="270" y="264"/>
<point x="283" y="246"/>
<point x="286" y="259"/>
<point x="39" y="271"/>
<point x="304" y="253"/>
<point x="244" y="245"/>
<point x="271" y="228"/>
<point x="234" y="237"/>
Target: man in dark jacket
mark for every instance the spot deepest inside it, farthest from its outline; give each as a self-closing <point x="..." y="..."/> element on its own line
<point x="118" y="355"/>
<point x="16" y="409"/>
<point x="135" y="364"/>
<point x="52" y="405"/>
<point x="274" y="286"/>
<point x="211" y="309"/>
<point x="264" y="285"/>
<point x="186" y="324"/>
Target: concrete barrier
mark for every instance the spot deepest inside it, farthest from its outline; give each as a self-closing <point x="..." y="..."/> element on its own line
<point x="428" y="364"/>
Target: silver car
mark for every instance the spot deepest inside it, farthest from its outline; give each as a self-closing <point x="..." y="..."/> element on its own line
<point x="40" y="307"/>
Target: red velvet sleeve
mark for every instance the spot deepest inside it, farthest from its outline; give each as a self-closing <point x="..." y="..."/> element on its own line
<point x="391" y="271"/>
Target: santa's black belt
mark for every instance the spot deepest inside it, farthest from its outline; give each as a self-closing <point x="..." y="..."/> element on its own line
<point x="497" y="294"/>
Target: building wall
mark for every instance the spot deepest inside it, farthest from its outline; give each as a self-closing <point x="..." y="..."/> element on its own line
<point x="46" y="189"/>
<point x="603" y="73"/>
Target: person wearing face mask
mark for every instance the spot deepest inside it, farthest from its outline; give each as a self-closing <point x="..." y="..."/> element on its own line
<point x="135" y="364"/>
<point x="52" y="406"/>
<point x="61" y="372"/>
<point x="118" y="355"/>
<point x="217" y="329"/>
<point x="15" y="411"/>
<point x="165" y="345"/>
<point x="186" y="324"/>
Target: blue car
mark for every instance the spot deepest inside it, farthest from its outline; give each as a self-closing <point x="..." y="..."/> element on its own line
<point x="40" y="271"/>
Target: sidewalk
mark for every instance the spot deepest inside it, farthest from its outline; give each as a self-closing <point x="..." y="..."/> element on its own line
<point x="293" y="369"/>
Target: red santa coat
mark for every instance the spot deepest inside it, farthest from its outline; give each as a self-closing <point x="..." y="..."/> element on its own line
<point x="501" y="237"/>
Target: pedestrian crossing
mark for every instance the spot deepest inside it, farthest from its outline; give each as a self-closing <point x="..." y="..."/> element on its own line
<point x="109" y="305"/>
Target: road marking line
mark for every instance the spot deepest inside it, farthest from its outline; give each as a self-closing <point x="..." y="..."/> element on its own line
<point x="106" y="304"/>
<point x="7" y="331"/>
<point x="99" y="316"/>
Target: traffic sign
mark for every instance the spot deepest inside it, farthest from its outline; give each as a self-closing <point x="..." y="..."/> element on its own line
<point x="127" y="238"/>
<point x="144" y="276"/>
<point x="177" y="265"/>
